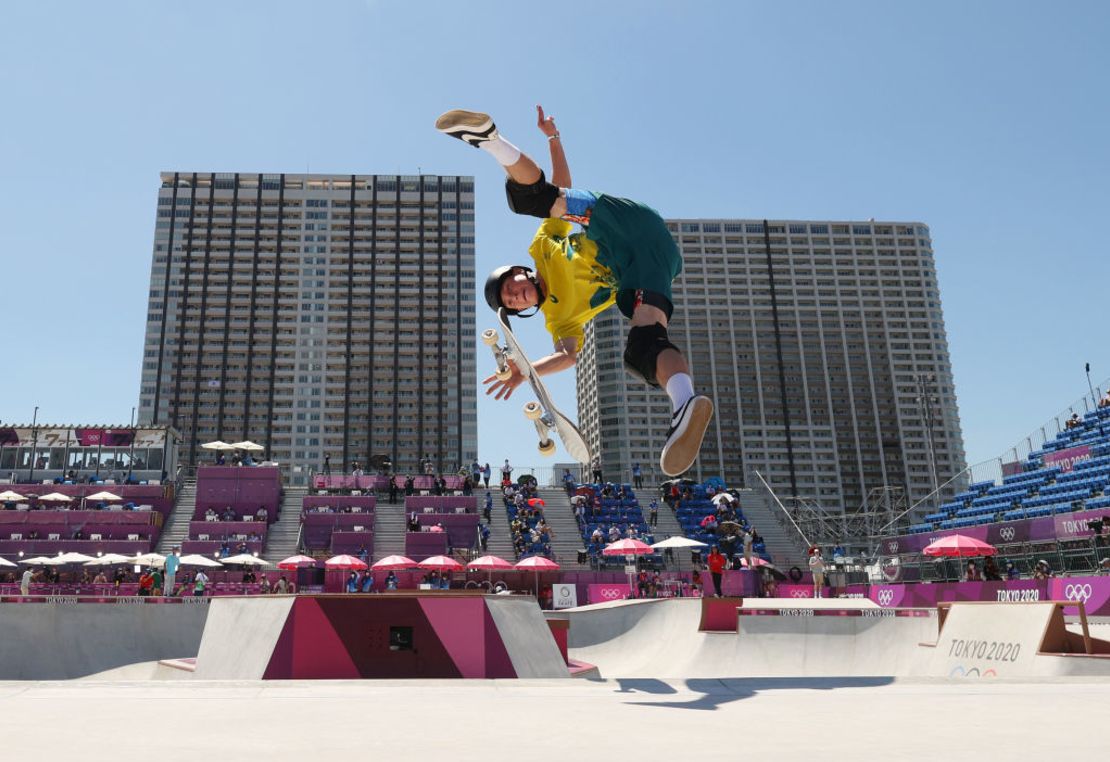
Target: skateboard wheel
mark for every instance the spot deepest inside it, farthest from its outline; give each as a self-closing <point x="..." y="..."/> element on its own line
<point x="503" y="374"/>
<point x="547" y="448"/>
<point x="489" y="337"/>
<point x="532" y="411"/>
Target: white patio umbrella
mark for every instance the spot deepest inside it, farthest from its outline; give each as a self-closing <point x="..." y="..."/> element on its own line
<point x="722" y="497"/>
<point x="108" y="559"/>
<point x="4" y="562"/>
<point x="55" y="497"/>
<point x="195" y="559"/>
<point x="217" y="445"/>
<point x="72" y="558"/>
<point x="106" y="496"/>
<point x="678" y="542"/>
<point x="35" y="560"/>
<point x="7" y="496"/>
<point x="248" y="445"/>
<point x="246" y="559"/>
<point x="146" y="559"/>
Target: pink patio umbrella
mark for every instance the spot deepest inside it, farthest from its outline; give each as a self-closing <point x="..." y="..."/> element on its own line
<point x="440" y="563"/>
<point x="756" y="562"/>
<point x="628" y="548"/>
<point x="490" y="564"/>
<point x="394" y="563"/>
<point x="537" y="564"/>
<point x="344" y="562"/>
<point x="296" y="562"/>
<point x="534" y="501"/>
<point x="959" y="546"/>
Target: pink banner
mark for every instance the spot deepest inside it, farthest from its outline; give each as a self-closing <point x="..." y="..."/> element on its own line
<point x="612" y="591"/>
<point x="1065" y="460"/>
<point x="104" y="437"/>
<point x="1012" y="469"/>
<point x="1093" y="592"/>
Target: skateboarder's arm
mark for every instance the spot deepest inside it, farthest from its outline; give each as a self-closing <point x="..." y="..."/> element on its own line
<point x="560" y="170"/>
<point x="565" y="356"/>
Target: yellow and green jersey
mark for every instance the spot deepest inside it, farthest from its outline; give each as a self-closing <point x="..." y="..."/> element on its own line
<point x="578" y="287"/>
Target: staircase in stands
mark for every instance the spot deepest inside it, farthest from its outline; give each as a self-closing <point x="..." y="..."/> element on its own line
<point x="176" y="528"/>
<point x="389" y="529"/>
<point x="560" y="516"/>
<point x="783" y="542"/>
<point x="283" y="535"/>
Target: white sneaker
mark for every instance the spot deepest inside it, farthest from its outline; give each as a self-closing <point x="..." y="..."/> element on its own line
<point x="688" y="426"/>
<point x="472" y="127"/>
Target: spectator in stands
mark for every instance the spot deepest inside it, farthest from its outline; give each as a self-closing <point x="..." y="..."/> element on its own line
<point x="326" y="471"/>
<point x="414" y="522"/>
<point x="990" y="570"/>
<point x="25" y="581"/>
<point x="228" y="514"/>
<point x="716" y="563"/>
<point x="1073" y="422"/>
<point x="146" y="582"/>
<point x="1042" y="570"/>
<point x="247" y="459"/>
<point x="483" y="535"/>
<point x="220" y="461"/>
<point x="972" y="572"/>
<point x="1105" y="401"/>
<point x="475" y="472"/>
<point x="838" y="554"/>
<point x="486" y="473"/>
<point x="264" y="585"/>
<point x="487" y="511"/>
<point x="653" y="513"/>
<point x="200" y="582"/>
<point x="391" y="581"/>
<point x="158" y="582"/>
<point x="637" y="476"/>
<point x="1012" y="571"/>
<point x="568" y="482"/>
<point x="506" y="472"/>
<point x="101" y="578"/>
<point x="211" y="515"/>
<point x="748" y="540"/>
<point x="119" y="577"/>
<point x="409" y="486"/>
<point x="817" y="569"/>
<point x="261" y="514"/>
<point x="352" y="582"/>
<point x="595" y="469"/>
<point x="363" y="554"/>
<point x="366" y="581"/>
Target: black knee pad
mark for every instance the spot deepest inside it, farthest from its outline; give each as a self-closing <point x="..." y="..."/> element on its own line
<point x="534" y="200"/>
<point x="645" y="342"/>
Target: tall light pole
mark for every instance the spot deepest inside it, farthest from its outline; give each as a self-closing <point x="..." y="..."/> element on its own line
<point x="926" y="402"/>
<point x="34" y="443"/>
<point x="1094" y="400"/>
<point x="131" y="456"/>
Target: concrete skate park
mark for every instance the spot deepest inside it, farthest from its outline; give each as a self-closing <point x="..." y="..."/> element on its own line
<point x="803" y="671"/>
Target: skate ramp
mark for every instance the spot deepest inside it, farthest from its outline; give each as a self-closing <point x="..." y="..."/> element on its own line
<point x="1015" y="640"/>
<point x="65" y="640"/>
<point x="782" y="638"/>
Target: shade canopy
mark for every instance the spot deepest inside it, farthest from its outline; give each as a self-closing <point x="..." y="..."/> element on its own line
<point x="108" y="559"/>
<point x="441" y="563"/>
<point x="5" y="562"/>
<point x="628" y="548"/>
<point x="537" y="563"/>
<point x="394" y="563"/>
<point x="55" y="497"/>
<point x="216" y="445"/>
<point x="8" y="496"/>
<point x="678" y="542"/>
<point x="36" y="560"/>
<point x="344" y="561"/>
<point x="106" y="496"/>
<point x="247" y="445"/>
<point x="489" y="563"/>
<point x="146" y="559"/>
<point x="195" y="559"/>
<point x="296" y="562"/>
<point x="245" y="559"/>
<point x="959" y="546"/>
<point x="71" y="558"/>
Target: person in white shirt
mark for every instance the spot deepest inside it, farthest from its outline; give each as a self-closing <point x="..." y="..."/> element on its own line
<point x="817" y="567"/>
<point x="748" y="549"/>
<point x="25" y="582"/>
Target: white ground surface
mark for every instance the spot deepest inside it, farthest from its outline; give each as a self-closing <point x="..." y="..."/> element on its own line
<point x="554" y="719"/>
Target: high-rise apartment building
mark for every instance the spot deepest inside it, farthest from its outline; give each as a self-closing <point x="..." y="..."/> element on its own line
<point x="824" y="347"/>
<point x="315" y="315"/>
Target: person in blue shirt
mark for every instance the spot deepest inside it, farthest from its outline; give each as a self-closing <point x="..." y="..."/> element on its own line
<point x="352" y="583"/>
<point x="391" y="581"/>
<point x="488" y="512"/>
<point x="172" y="562"/>
<point x="367" y="581"/>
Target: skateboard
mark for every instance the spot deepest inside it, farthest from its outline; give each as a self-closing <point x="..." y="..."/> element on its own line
<point x="542" y="413"/>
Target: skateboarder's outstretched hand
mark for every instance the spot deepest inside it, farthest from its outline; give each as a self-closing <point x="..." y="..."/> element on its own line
<point x="502" y="390"/>
<point x="545" y="123"/>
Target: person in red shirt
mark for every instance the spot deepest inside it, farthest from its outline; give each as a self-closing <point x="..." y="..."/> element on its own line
<point x="716" y="563"/>
<point x="146" y="583"/>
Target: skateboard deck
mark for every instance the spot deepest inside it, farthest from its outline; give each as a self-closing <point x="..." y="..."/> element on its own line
<point x="543" y="414"/>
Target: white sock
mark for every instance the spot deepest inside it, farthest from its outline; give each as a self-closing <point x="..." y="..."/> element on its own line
<point x="680" y="388"/>
<point x="505" y="152"/>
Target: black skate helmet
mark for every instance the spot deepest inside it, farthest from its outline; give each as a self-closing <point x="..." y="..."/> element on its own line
<point x="498" y="277"/>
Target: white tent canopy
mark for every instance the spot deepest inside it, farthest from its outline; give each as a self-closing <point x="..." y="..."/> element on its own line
<point x="248" y="445"/>
<point x="8" y="496"/>
<point x="217" y="445"/>
<point x="108" y="559"/>
<point x="195" y="559"/>
<point x="4" y="562"/>
<point x="245" y="559"/>
<point x="55" y="497"/>
<point x="104" y="496"/>
<point x="678" y="542"/>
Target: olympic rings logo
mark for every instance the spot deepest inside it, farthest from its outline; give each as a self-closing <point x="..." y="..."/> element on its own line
<point x="1078" y="592"/>
<point x="885" y="596"/>
<point x="799" y="593"/>
<point x="892" y="546"/>
<point x="611" y="593"/>
<point x="1006" y="533"/>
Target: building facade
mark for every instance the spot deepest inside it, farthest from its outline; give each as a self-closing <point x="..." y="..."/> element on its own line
<point x="824" y="348"/>
<point x="315" y="315"/>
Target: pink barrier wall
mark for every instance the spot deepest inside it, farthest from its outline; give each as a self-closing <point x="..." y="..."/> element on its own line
<point x="244" y="489"/>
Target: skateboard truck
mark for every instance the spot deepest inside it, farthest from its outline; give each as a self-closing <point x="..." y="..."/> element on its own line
<point x="500" y="356"/>
<point x="534" y="413"/>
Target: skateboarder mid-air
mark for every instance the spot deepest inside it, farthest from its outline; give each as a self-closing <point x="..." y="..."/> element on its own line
<point x="625" y="255"/>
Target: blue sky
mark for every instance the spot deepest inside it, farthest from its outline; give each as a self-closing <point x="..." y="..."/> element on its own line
<point x="986" y="120"/>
